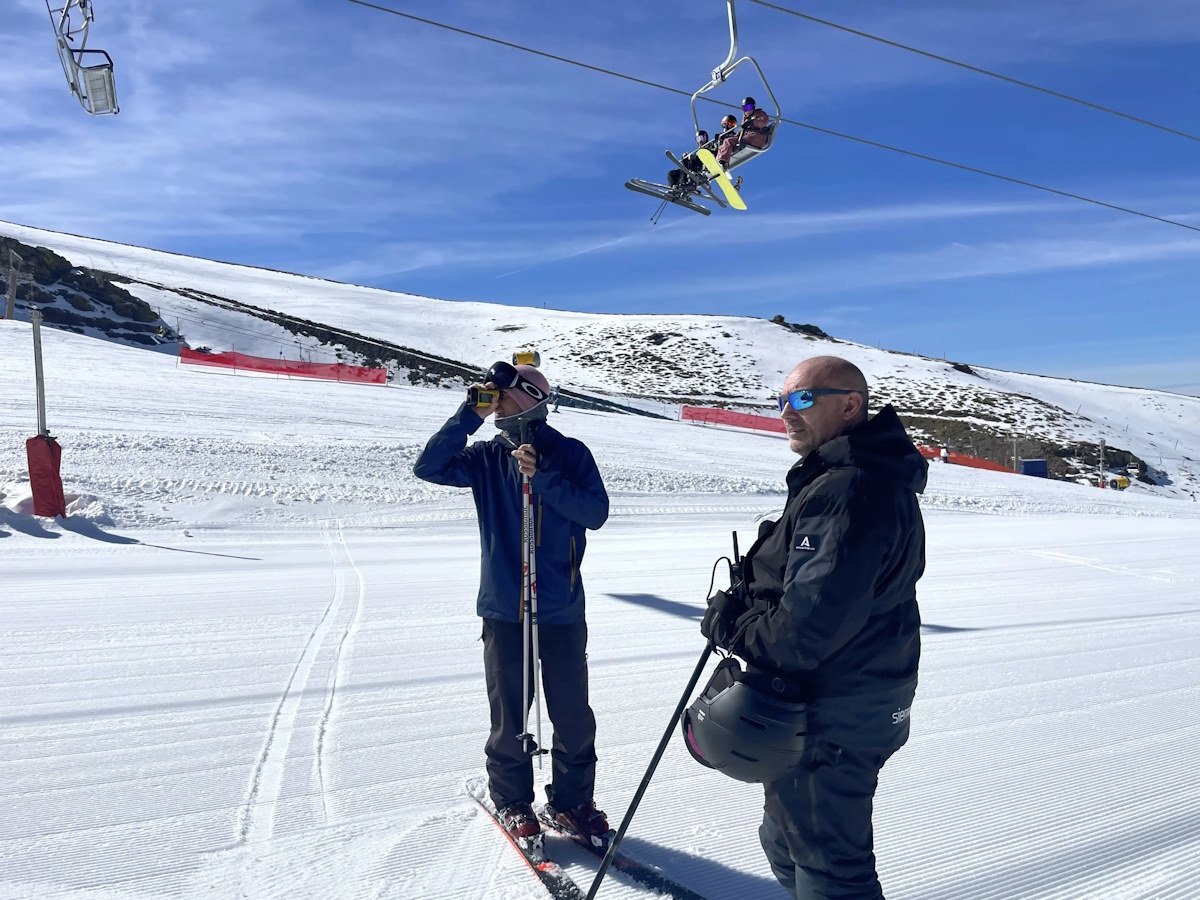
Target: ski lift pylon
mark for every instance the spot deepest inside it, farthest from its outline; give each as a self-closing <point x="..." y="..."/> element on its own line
<point x="93" y="85"/>
<point x="720" y="74"/>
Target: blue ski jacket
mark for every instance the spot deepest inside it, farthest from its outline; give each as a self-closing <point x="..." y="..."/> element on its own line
<point x="568" y="498"/>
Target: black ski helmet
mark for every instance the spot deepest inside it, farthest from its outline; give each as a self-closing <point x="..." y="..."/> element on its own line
<point x="741" y="731"/>
<point x="749" y="101"/>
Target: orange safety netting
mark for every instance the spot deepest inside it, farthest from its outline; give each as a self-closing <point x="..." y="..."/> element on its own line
<point x="708" y="416"/>
<point x="326" y="371"/>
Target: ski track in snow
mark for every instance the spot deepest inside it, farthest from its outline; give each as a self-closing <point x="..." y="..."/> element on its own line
<point x="344" y="648"/>
<point x="257" y="818"/>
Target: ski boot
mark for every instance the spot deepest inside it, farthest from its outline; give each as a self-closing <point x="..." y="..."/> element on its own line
<point x="522" y="826"/>
<point x="584" y="821"/>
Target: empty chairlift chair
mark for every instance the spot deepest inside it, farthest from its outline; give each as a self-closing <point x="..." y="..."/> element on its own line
<point x="93" y="85"/>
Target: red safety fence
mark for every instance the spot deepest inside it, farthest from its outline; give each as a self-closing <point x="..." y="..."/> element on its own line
<point x="707" y="416"/>
<point x="961" y="459"/>
<point x="292" y="367"/>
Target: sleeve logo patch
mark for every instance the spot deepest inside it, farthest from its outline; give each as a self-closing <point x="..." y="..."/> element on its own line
<point x="806" y="542"/>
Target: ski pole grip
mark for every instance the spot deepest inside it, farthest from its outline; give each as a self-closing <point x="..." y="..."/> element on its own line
<point x="735" y="571"/>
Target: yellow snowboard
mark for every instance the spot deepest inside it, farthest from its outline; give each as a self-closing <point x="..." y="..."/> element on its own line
<point x="714" y="169"/>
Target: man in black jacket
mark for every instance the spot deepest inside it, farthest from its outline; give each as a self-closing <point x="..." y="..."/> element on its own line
<point x="827" y="614"/>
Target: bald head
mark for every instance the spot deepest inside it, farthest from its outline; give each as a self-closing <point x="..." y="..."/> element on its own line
<point x="832" y="372"/>
<point x="830" y="415"/>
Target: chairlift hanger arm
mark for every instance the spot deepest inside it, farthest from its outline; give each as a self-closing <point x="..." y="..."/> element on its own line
<point x="62" y="27"/>
<point x="726" y="68"/>
<point x="720" y="71"/>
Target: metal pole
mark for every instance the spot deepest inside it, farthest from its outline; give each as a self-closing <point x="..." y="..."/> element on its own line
<point x="36" y="315"/>
<point x="14" y="263"/>
<point x="735" y="576"/>
<point x="672" y="724"/>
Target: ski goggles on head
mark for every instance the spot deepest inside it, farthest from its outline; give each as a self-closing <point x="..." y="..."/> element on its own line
<point x="506" y="377"/>
<point x="748" y="107"/>
<point x="503" y="375"/>
<point x="806" y="397"/>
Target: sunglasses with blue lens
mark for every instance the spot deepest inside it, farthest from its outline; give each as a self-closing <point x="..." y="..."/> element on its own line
<point x="805" y="398"/>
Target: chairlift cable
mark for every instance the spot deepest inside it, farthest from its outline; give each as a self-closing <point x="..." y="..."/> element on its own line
<point x="503" y="43"/>
<point x="838" y="134"/>
<point x="978" y="70"/>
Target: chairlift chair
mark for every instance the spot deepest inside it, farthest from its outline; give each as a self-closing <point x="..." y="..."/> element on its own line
<point x="93" y="85"/>
<point x="719" y="76"/>
<point x="695" y="183"/>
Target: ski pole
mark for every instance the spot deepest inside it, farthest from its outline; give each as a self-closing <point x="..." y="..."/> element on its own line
<point x="525" y="616"/>
<point x="736" y="571"/>
<point x="533" y="617"/>
<point x="529" y="616"/>
<point x="662" y="746"/>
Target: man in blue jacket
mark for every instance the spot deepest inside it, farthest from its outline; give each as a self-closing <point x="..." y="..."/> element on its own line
<point x="568" y="497"/>
<point x="828" y="616"/>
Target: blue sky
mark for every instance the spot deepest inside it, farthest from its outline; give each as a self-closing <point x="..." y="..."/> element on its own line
<point x="330" y="139"/>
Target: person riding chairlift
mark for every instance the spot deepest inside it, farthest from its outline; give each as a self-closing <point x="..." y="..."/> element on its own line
<point x="729" y="126"/>
<point x="753" y="132"/>
<point x="675" y="177"/>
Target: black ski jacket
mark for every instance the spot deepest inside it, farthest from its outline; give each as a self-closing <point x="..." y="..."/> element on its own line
<point x="832" y="614"/>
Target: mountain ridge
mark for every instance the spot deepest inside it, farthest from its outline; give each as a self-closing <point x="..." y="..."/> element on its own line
<point x="652" y="362"/>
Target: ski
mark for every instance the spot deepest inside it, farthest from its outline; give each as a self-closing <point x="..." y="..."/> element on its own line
<point x="721" y="177"/>
<point x="554" y="878"/>
<point x="643" y="874"/>
<point x="696" y="180"/>
<point x="662" y="192"/>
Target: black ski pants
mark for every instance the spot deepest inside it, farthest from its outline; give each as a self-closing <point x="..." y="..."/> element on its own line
<point x="563" y="653"/>
<point x="816" y="828"/>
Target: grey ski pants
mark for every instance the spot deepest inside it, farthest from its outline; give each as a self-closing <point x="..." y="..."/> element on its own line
<point x="816" y="828"/>
<point x="563" y="653"/>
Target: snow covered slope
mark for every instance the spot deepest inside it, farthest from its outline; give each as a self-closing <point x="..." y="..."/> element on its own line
<point x="664" y="359"/>
<point x="249" y="667"/>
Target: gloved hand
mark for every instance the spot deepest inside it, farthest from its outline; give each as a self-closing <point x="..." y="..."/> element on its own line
<point x="718" y="624"/>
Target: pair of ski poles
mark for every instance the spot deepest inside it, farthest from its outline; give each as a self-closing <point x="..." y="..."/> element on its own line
<point x="531" y="744"/>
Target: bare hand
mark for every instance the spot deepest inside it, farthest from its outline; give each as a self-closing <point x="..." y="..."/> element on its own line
<point x="526" y="458"/>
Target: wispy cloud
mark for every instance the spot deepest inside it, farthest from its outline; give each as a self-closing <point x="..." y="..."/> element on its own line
<point x="537" y="246"/>
<point x="245" y="122"/>
<point x="952" y="261"/>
